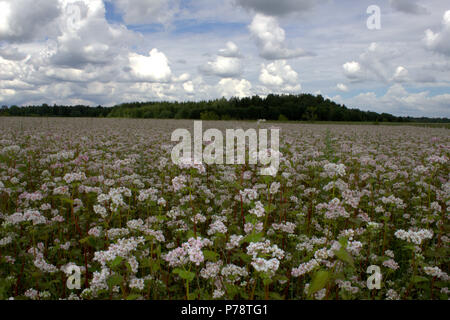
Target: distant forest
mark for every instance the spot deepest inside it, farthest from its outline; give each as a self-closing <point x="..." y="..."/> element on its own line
<point x="303" y="107"/>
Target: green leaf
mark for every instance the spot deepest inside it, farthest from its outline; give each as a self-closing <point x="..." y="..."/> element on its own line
<point x="343" y="255"/>
<point x="177" y="270"/>
<point x="133" y="296"/>
<point x="275" y="296"/>
<point x="343" y="242"/>
<point x="210" y="255"/>
<point x="116" y="262"/>
<point x="115" y="280"/>
<point x="162" y="218"/>
<point x="190" y="234"/>
<point x="243" y="256"/>
<point x="84" y="240"/>
<point x="67" y="200"/>
<point x="254" y="237"/>
<point x="438" y="252"/>
<point x="155" y="265"/>
<point x="319" y="281"/>
<point x="185" y="275"/>
<point x="418" y="279"/>
<point x="231" y="290"/>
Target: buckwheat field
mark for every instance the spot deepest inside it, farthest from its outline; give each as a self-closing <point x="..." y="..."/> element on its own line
<point x="95" y="209"/>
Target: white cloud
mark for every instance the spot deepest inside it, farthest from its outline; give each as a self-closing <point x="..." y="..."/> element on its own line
<point x="352" y="69"/>
<point x="11" y="70"/>
<point x="270" y="39"/>
<point x="440" y="41"/>
<point x="5" y="17"/>
<point x="401" y="74"/>
<point x="376" y="64"/>
<point x="85" y="60"/>
<point x="234" y="88"/>
<point x="24" y="20"/>
<point x="147" y="11"/>
<point x="86" y="37"/>
<point x="280" y="76"/>
<point x="182" y="78"/>
<point x="227" y="64"/>
<point x="342" y="87"/>
<point x="152" y="68"/>
<point x="231" y="51"/>
<point x="399" y="101"/>
<point x="279" y="7"/>
<point x="408" y="6"/>
<point x="189" y="87"/>
<point x="223" y="67"/>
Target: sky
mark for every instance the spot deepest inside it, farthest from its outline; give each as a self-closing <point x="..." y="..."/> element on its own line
<point x="106" y="52"/>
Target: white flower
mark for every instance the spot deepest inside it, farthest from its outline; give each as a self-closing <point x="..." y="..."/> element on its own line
<point x="333" y="170"/>
<point x="258" y="210"/>
<point x="136" y="283"/>
<point x="217" y="227"/>
<point x="100" y="210"/>
<point x="416" y="237"/>
<point x="391" y="264"/>
<point x="305" y="268"/>
<point x="179" y="183"/>
<point x="274" y="187"/>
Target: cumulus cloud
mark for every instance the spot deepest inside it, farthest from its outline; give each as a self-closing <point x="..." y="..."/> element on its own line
<point x="85" y="60"/>
<point x="342" y="87"/>
<point x="352" y="69"/>
<point x="270" y="39"/>
<point x="182" y="78"/>
<point x="223" y="67"/>
<point x="152" y="68"/>
<point x="277" y="8"/>
<point x="440" y="41"/>
<point x="401" y="74"/>
<point x="24" y="20"/>
<point x="189" y="87"/>
<point x="279" y="76"/>
<point x="376" y="64"/>
<point x="147" y="11"/>
<point x="234" y="88"/>
<point x="11" y="70"/>
<point x="86" y="37"/>
<point x="408" y="6"/>
<point x="227" y="63"/>
<point x="399" y="101"/>
<point x="231" y="51"/>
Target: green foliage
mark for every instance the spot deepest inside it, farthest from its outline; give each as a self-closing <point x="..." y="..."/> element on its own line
<point x="302" y="107"/>
<point x="320" y="280"/>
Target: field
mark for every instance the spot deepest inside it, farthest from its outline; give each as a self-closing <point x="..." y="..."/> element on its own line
<point x="351" y="207"/>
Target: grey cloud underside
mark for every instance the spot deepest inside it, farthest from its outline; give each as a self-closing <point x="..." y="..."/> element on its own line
<point x="277" y="8"/>
<point x="12" y="53"/>
<point x="146" y="11"/>
<point x="30" y="21"/>
<point x="408" y="6"/>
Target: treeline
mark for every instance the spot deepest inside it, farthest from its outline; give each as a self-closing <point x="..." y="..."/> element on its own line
<point x="304" y="107"/>
<point x="55" y="111"/>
